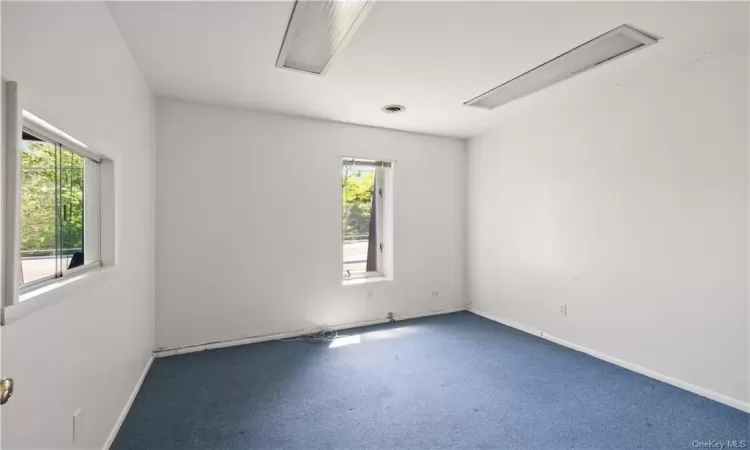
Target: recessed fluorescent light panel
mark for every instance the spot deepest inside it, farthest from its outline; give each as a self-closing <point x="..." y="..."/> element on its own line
<point x="607" y="47"/>
<point x="317" y="31"/>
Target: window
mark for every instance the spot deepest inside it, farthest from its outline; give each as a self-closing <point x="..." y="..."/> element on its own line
<point x="58" y="211"/>
<point x="59" y="226"/>
<point x="365" y="217"/>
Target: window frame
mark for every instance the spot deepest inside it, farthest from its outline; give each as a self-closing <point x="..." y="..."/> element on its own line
<point x="48" y="133"/>
<point x="383" y="196"/>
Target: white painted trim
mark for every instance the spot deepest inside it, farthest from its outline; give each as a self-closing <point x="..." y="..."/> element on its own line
<point x="11" y="201"/>
<point x="28" y="290"/>
<point x="162" y="353"/>
<point x="126" y="409"/>
<point x="363" y="280"/>
<point x="40" y="126"/>
<point x="703" y="392"/>
<point x="49" y="294"/>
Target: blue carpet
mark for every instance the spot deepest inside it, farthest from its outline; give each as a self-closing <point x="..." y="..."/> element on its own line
<point x="451" y="381"/>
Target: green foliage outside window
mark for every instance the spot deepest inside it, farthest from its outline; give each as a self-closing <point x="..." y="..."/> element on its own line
<point x="40" y="216"/>
<point x="357" y="186"/>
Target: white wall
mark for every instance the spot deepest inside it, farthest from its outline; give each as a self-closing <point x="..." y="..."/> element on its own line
<point x="249" y="224"/>
<point x="623" y="193"/>
<point x="87" y="350"/>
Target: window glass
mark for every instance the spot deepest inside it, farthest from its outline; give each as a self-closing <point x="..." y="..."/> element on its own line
<point x="72" y="209"/>
<point x="362" y="215"/>
<point x="59" y="210"/>
<point x="38" y="209"/>
<point x="358" y="184"/>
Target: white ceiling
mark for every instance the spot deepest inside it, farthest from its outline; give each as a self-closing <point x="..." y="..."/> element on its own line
<point x="429" y="56"/>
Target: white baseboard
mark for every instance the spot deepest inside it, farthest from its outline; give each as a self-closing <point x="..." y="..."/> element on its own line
<point x="729" y="401"/>
<point x="161" y="353"/>
<point x="126" y="409"/>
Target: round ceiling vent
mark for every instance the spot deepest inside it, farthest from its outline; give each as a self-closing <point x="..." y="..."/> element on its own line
<point x="393" y="109"/>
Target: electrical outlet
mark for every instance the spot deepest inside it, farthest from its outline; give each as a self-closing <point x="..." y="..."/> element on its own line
<point x="77" y="423"/>
<point x="564" y="310"/>
<point x="435" y="293"/>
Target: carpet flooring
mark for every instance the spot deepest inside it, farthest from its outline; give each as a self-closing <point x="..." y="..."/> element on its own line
<point x="451" y="381"/>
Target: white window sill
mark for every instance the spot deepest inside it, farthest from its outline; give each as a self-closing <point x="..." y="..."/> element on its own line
<point x="52" y="293"/>
<point x="364" y="280"/>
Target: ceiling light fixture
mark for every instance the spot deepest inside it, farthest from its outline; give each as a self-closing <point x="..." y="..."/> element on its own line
<point x="607" y="47"/>
<point x="317" y="31"/>
<point x="393" y="109"/>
